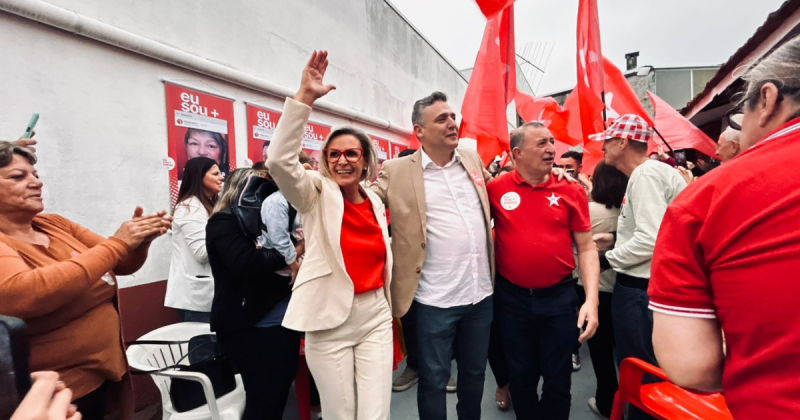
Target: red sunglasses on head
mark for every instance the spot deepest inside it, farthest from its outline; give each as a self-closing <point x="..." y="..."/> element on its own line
<point x="350" y="155"/>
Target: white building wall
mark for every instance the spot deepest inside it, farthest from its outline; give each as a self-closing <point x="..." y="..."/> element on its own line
<point x="103" y="129"/>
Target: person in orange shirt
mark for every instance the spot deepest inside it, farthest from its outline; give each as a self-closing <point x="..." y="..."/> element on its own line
<point x="59" y="277"/>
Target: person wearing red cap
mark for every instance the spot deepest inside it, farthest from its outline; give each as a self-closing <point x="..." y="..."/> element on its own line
<point x="537" y="218"/>
<point x="728" y="256"/>
<point x="652" y="185"/>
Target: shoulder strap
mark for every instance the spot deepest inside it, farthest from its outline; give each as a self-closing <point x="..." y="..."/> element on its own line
<point x="292" y="216"/>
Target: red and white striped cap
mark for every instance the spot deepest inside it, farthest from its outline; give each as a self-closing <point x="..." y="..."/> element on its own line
<point x="628" y="126"/>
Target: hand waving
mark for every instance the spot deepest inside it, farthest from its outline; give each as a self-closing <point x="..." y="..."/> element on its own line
<point x="311" y="85"/>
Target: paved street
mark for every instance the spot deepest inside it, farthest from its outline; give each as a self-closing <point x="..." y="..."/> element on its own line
<point x="404" y="404"/>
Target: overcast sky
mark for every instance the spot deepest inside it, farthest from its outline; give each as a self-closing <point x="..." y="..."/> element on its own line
<point x="667" y="33"/>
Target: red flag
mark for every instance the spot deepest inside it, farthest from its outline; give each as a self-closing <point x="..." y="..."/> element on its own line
<point x="491" y="88"/>
<point x="414" y="142"/>
<point x="620" y="97"/>
<point x="590" y="68"/>
<point x="679" y="132"/>
<point x="490" y="8"/>
<point x="547" y="111"/>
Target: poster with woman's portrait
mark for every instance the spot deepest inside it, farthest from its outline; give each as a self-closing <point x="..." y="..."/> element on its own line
<point x="198" y="124"/>
<point x="261" y="123"/>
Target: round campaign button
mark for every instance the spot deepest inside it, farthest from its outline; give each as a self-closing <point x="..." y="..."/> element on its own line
<point x="168" y="163"/>
<point x="510" y="200"/>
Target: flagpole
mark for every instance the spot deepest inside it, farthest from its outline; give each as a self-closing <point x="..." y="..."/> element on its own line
<point x="663" y="140"/>
<point x="603" y="98"/>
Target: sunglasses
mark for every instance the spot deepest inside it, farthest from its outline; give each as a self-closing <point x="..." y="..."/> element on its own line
<point x="350" y="155"/>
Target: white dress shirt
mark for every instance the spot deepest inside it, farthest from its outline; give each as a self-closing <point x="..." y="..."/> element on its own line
<point x="456" y="268"/>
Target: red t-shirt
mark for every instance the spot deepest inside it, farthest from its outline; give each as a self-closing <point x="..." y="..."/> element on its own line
<point x="533" y="228"/>
<point x="363" y="248"/>
<point x="729" y="248"/>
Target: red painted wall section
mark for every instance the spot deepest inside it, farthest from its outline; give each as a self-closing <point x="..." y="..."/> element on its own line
<point x="142" y="310"/>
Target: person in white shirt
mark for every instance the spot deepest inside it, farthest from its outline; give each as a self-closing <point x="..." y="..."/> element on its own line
<point x="652" y="185"/>
<point x="190" y="285"/>
<point x="444" y="263"/>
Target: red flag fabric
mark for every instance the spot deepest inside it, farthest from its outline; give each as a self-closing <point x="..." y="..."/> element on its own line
<point x="590" y="68"/>
<point x="491" y="88"/>
<point x="679" y="132"/>
<point x="547" y="111"/>
<point x="620" y="97"/>
<point x="491" y="8"/>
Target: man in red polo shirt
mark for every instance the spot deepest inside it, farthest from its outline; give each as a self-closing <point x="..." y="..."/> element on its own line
<point x="536" y="219"/>
<point x="728" y="257"/>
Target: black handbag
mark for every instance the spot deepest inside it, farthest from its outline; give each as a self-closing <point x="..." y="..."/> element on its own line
<point x="204" y="357"/>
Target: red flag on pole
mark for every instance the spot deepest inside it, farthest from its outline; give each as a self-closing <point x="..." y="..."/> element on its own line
<point x="620" y="97"/>
<point x="679" y="132"/>
<point x="590" y="68"/>
<point x="491" y="8"/>
<point x="547" y="111"/>
<point x="491" y="88"/>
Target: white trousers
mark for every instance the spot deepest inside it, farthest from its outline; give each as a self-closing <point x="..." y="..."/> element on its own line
<point x="355" y="357"/>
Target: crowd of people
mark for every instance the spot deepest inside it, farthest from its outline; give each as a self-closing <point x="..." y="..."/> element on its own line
<point x="516" y="268"/>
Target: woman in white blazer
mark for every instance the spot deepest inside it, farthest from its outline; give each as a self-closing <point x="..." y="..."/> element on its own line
<point x="190" y="286"/>
<point x="341" y="294"/>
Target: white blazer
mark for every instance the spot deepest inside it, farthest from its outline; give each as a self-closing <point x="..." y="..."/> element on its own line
<point x="190" y="284"/>
<point x="323" y="291"/>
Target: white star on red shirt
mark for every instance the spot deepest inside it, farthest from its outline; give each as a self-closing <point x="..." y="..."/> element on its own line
<point x="553" y="200"/>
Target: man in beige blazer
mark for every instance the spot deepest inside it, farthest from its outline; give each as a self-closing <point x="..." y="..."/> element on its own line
<point x="444" y="259"/>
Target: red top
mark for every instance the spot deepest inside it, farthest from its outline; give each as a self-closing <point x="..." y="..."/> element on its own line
<point x="363" y="247"/>
<point x="729" y="248"/>
<point x="533" y="228"/>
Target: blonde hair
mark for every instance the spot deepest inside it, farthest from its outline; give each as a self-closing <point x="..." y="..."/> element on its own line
<point x="370" y="156"/>
<point x="230" y="190"/>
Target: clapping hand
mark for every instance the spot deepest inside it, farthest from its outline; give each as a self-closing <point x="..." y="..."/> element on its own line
<point x="143" y="228"/>
<point x="311" y="85"/>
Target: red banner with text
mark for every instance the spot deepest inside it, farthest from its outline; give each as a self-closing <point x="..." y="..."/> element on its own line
<point x="198" y="124"/>
<point x="261" y="123"/>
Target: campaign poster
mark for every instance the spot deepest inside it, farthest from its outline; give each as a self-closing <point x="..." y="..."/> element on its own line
<point x="396" y="149"/>
<point x="198" y="124"/>
<point x="382" y="149"/>
<point x="261" y="123"/>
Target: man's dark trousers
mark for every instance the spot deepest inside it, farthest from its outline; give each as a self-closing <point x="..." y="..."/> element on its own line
<point x="539" y="336"/>
<point x="439" y="330"/>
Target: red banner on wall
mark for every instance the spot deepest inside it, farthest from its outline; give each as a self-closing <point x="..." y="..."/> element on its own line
<point x="198" y="124"/>
<point x="261" y="123"/>
<point x="396" y="149"/>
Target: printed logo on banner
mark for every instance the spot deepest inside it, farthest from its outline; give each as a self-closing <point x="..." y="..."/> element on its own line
<point x="198" y="125"/>
<point x="261" y="124"/>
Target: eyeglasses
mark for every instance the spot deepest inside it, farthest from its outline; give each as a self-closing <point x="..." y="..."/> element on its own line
<point x="350" y="155"/>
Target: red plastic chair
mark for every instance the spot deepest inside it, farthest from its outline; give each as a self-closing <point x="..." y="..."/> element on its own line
<point x="302" y="385"/>
<point x="664" y="400"/>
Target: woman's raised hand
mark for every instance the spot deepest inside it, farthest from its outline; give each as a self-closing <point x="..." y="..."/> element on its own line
<point x="311" y="85"/>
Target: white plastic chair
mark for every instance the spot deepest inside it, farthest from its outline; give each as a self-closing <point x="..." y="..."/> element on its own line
<point x="149" y="357"/>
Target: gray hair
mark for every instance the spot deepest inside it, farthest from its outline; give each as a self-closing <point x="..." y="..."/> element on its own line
<point x="731" y="134"/>
<point x="9" y="149"/>
<point x="230" y="190"/>
<point x="517" y="138"/>
<point x="781" y="67"/>
<point x="420" y="105"/>
<point x="370" y="156"/>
